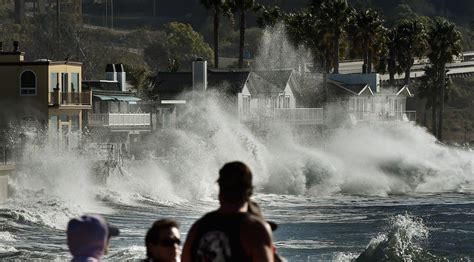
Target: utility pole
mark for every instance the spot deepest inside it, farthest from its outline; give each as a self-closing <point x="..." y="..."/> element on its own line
<point x="112" y="14"/>
<point x="58" y="32"/>
<point x="465" y="132"/>
<point x="106" y="15"/>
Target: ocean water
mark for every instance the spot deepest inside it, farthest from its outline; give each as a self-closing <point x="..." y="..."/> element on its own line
<point x="384" y="192"/>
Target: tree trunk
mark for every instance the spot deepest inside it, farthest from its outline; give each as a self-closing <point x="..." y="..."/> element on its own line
<point x="41" y="7"/>
<point x="336" y="53"/>
<point x="392" y="64"/>
<point x="369" y="61"/>
<point x="434" y="105"/>
<point x="19" y="11"/>
<point x="242" y="38"/>
<point x="407" y="75"/>
<point x="366" y="55"/>
<point x="442" y="89"/>
<point x="216" y="37"/>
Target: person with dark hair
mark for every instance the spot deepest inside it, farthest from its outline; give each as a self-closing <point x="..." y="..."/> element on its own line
<point x="230" y="233"/>
<point x="88" y="237"/>
<point x="163" y="241"/>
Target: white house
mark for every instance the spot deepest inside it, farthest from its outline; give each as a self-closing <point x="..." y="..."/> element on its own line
<point x="250" y="96"/>
<point x="365" y="100"/>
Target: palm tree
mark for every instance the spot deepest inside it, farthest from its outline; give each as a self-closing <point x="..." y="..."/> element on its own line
<point x="242" y="7"/>
<point x="444" y="43"/>
<point x="366" y="31"/>
<point x="429" y="90"/>
<point x="334" y="16"/>
<point x="411" y="41"/>
<point x="217" y="7"/>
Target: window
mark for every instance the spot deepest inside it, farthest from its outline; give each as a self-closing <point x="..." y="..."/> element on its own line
<point x="54" y="82"/>
<point x="74" y="82"/>
<point x="246" y="105"/>
<point x="64" y="83"/>
<point x="28" y="83"/>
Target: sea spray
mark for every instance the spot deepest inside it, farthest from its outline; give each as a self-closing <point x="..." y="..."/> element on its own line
<point x="402" y="242"/>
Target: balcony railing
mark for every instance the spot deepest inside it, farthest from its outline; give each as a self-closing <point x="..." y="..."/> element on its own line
<point x="387" y="116"/>
<point x="119" y="120"/>
<point x="70" y="98"/>
<point x="288" y="115"/>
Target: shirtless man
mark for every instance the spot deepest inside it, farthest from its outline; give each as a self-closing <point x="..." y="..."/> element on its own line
<point x="230" y="233"/>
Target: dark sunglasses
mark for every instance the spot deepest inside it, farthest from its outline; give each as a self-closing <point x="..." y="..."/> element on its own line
<point x="169" y="242"/>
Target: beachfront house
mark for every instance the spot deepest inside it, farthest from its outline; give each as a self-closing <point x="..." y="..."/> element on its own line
<point x="116" y="115"/>
<point x="364" y="99"/>
<point x="42" y="94"/>
<point x="251" y="96"/>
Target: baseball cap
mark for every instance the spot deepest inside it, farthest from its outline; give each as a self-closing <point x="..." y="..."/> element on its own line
<point x="88" y="234"/>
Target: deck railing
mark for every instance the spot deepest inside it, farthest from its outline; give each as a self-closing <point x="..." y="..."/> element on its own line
<point x="387" y="116"/>
<point x="70" y="98"/>
<point x="119" y="120"/>
<point x="299" y="115"/>
<point x="288" y="115"/>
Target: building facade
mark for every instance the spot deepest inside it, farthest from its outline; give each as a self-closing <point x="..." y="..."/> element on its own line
<point x="42" y="94"/>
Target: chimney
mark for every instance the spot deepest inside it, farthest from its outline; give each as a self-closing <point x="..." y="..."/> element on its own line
<point x="199" y="75"/>
<point x="110" y="72"/>
<point x="14" y="56"/>
<point x="121" y="77"/>
<point x="16" y="46"/>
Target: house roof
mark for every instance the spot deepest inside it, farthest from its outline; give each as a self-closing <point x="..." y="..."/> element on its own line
<point x="259" y="86"/>
<point x="230" y="82"/>
<point x="97" y="85"/>
<point x="223" y="81"/>
<point x="355" y="89"/>
<point x="404" y="89"/>
<point x="279" y="78"/>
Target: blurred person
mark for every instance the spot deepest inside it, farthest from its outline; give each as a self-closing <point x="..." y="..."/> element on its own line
<point x="163" y="241"/>
<point x="88" y="238"/>
<point x="255" y="210"/>
<point x="230" y="233"/>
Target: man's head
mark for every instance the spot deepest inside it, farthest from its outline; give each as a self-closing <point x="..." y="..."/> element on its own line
<point x="88" y="236"/>
<point x="235" y="183"/>
<point x="163" y="241"/>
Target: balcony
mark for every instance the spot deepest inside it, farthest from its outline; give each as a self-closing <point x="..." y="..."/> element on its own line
<point x="120" y="120"/>
<point x="387" y="116"/>
<point x="287" y="115"/>
<point x="70" y="99"/>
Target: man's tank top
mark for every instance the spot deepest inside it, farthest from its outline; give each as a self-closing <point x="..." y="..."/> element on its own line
<point x="218" y="238"/>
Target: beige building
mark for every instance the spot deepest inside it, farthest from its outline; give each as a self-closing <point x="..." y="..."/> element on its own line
<point x="42" y="93"/>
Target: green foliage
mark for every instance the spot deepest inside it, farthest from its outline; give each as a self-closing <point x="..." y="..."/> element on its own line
<point x="180" y="47"/>
<point x="411" y="38"/>
<point x="138" y="75"/>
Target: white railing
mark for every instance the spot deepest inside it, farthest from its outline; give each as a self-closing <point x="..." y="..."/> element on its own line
<point x="289" y="115"/>
<point x="299" y="115"/>
<point x="120" y="120"/>
<point x="387" y="116"/>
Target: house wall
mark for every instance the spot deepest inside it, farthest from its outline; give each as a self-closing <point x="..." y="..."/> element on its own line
<point x="16" y="106"/>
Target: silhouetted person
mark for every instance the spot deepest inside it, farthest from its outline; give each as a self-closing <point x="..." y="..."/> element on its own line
<point x="230" y="233"/>
<point x="163" y="241"/>
<point x="88" y="237"/>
